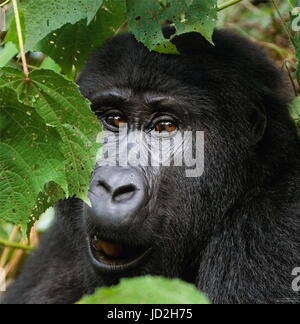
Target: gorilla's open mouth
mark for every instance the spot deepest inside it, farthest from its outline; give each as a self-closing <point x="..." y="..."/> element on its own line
<point x="111" y="256"/>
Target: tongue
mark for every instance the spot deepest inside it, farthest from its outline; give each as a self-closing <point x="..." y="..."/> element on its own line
<point x="110" y="249"/>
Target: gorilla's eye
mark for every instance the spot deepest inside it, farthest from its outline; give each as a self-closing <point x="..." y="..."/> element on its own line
<point x="166" y="126"/>
<point x="114" y="121"/>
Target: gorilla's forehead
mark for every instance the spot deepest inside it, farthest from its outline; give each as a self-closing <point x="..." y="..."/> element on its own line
<point x="126" y="64"/>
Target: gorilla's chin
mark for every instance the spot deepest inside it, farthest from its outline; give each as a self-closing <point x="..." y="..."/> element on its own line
<point x="112" y="257"/>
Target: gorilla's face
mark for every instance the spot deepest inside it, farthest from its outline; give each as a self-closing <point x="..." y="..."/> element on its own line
<point x="155" y="207"/>
<point x="144" y="188"/>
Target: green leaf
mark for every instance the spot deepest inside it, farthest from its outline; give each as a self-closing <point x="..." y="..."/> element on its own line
<point x="296" y="42"/>
<point x="7" y="53"/>
<point x="12" y="35"/>
<point x="145" y="18"/>
<point x="147" y="290"/>
<point x="295" y="112"/>
<point x="60" y="104"/>
<point x="44" y="16"/>
<point x="294" y="3"/>
<point x="166" y="48"/>
<point x="71" y="45"/>
<point x="29" y="158"/>
<point x="92" y="8"/>
<point x="49" y="64"/>
<point x="5" y="230"/>
<point x="295" y="109"/>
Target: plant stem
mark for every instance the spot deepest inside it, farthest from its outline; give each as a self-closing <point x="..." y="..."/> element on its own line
<point x="282" y="21"/>
<point x="21" y="41"/>
<point x="285" y="64"/>
<point x="16" y="246"/>
<point x="4" y="3"/>
<point x="228" y="4"/>
<point x="122" y="28"/>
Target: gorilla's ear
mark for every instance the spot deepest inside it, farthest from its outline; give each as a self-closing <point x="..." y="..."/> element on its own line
<point x="258" y="120"/>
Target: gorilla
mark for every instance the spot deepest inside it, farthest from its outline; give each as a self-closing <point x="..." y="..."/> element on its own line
<point x="234" y="231"/>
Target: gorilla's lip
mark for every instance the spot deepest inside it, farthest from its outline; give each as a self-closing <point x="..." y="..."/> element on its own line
<point x="109" y="256"/>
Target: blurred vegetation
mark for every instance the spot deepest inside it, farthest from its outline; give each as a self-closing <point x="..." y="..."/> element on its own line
<point x="148" y="290"/>
<point x="266" y="25"/>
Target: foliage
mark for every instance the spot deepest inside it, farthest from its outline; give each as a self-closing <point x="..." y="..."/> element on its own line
<point x="39" y="151"/>
<point x="145" y="19"/>
<point x="271" y="25"/>
<point x="295" y="110"/>
<point x="147" y="290"/>
<point x="43" y="16"/>
<point x="71" y="45"/>
<point x="29" y="158"/>
<point x="295" y="39"/>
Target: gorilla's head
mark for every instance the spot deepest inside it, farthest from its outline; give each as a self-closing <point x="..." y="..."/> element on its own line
<point x="157" y="219"/>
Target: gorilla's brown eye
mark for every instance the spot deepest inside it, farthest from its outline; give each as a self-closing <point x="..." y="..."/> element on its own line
<point x="168" y="127"/>
<point x="115" y="121"/>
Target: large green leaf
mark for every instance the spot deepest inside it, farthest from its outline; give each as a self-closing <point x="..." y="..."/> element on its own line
<point x="71" y="45"/>
<point x="44" y="16"/>
<point x="29" y="158"/>
<point x="145" y="18"/>
<point x="59" y="102"/>
<point x="147" y="290"/>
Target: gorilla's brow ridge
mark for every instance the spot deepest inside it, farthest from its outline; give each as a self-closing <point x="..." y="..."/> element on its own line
<point x="111" y="96"/>
<point x="117" y="97"/>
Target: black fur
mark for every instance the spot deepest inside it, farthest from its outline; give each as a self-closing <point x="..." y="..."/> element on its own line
<point x="235" y="232"/>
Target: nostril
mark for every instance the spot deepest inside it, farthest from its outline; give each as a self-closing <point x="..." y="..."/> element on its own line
<point x="105" y="186"/>
<point x="124" y="193"/>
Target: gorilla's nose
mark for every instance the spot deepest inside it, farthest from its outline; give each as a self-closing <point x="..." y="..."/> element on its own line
<point x="117" y="195"/>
